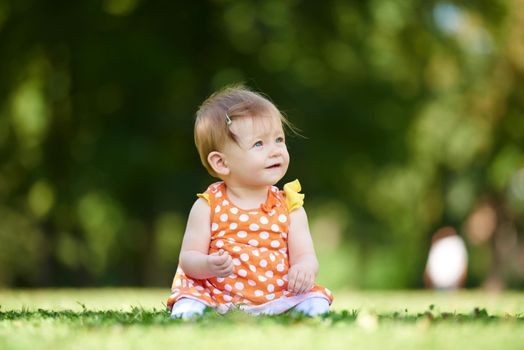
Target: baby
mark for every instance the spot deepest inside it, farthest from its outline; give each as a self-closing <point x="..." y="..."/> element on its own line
<point x="247" y="244"/>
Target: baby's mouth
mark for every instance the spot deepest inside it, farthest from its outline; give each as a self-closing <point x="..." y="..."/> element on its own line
<point x="273" y="166"/>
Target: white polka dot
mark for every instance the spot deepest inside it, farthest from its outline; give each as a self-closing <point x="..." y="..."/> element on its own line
<point x="284" y="277"/>
<point x="272" y="212"/>
<point x="275" y="228"/>
<point x="242" y="273"/>
<point x="251" y="283"/>
<point x="263" y="262"/>
<point x="263" y="249"/>
<point x="233" y="225"/>
<point x="244" y="257"/>
<point x="231" y="240"/>
<point x="234" y="210"/>
<point x="270" y="288"/>
<point x="239" y="285"/>
<point x="219" y="194"/>
<point x="184" y="283"/>
<point x="264" y="235"/>
<point x="269" y="273"/>
<point x="243" y="218"/>
<point x="216" y="291"/>
<point x="280" y="268"/>
<point x="270" y="296"/>
<point x="272" y="257"/>
<point x="275" y="244"/>
<point x="255" y="252"/>
<point x="252" y="268"/>
<point x="228" y="298"/>
<point x="228" y="287"/>
<point x="280" y="282"/>
<point x="220" y="244"/>
<point x="264" y="220"/>
<point x="214" y="226"/>
<point x="253" y="212"/>
<point x="253" y="242"/>
<point x="217" y="208"/>
<point x="196" y="294"/>
<point x="225" y="202"/>
<point x="282" y="218"/>
<point x="254" y="227"/>
<point x="286" y="292"/>
<point x="236" y="249"/>
<point x="259" y="293"/>
<point x="221" y="233"/>
<point x="220" y="280"/>
<point x="223" y="217"/>
<point x="283" y="235"/>
<point x="242" y="234"/>
<point x="262" y="278"/>
<point x="232" y="276"/>
<point x="236" y="262"/>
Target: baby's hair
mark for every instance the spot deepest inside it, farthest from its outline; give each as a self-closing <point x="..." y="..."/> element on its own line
<point x="219" y="110"/>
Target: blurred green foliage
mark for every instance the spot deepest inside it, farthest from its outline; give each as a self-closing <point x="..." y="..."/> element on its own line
<point x="413" y="113"/>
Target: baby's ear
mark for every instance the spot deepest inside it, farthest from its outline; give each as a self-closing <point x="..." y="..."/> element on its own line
<point x="218" y="163"/>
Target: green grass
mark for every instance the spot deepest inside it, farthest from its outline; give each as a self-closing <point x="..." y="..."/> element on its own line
<point x="136" y="319"/>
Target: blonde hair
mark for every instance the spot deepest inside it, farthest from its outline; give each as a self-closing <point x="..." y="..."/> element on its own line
<point x="235" y="101"/>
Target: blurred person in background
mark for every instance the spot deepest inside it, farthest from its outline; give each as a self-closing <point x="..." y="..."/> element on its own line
<point x="447" y="264"/>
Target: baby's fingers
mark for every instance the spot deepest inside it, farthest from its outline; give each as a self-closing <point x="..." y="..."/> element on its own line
<point x="306" y="284"/>
<point x="226" y="264"/>
<point x="226" y="271"/>
<point x="295" y="281"/>
<point x="221" y="264"/>
<point x="219" y="259"/>
<point x="299" y="284"/>
<point x="292" y="277"/>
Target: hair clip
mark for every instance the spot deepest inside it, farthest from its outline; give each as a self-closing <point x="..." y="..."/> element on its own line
<point x="228" y="120"/>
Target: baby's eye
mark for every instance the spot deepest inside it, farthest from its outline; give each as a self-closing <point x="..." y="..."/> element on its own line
<point x="258" y="144"/>
<point x="280" y="140"/>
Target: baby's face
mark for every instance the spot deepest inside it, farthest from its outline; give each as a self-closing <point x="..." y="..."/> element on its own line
<point x="260" y="156"/>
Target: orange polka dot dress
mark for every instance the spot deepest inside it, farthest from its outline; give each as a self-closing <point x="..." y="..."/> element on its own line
<point x="256" y="239"/>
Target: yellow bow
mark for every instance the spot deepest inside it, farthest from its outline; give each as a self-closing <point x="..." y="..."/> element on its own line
<point x="294" y="199"/>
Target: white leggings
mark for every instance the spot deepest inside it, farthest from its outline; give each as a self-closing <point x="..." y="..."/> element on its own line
<point x="186" y="308"/>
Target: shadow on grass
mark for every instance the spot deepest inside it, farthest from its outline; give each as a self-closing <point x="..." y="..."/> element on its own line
<point x="140" y="316"/>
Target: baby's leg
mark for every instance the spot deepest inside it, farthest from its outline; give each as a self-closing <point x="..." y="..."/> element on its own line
<point x="313" y="306"/>
<point x="186" y="308"/>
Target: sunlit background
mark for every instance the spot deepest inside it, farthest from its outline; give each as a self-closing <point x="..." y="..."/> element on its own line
<point x="412" y="112"/>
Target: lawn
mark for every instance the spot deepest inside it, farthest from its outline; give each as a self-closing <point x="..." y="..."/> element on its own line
<point x="136" y="319"/>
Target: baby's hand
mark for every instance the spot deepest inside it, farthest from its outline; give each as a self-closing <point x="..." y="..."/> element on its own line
<point x="300" y="278"/>
<point x="220" y="264"/>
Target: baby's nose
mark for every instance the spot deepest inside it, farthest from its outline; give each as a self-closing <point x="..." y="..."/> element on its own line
<point x="275" y="152"/>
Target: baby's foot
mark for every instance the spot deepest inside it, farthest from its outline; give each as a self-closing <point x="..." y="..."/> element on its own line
<point x="187" y="308"/>
<point x="313" y="306"/>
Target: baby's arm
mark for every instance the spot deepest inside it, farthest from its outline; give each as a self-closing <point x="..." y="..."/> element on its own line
<point x="302" y="258"/>
<point x="194" y="258"/>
